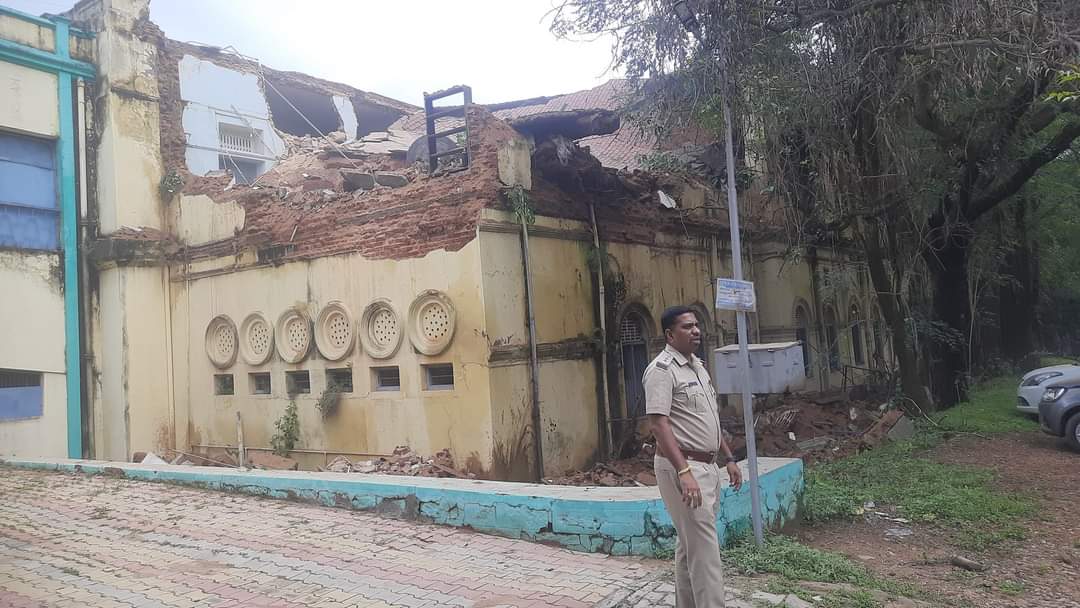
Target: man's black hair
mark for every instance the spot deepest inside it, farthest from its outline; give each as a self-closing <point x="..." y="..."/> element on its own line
<point x="667" y="320"/>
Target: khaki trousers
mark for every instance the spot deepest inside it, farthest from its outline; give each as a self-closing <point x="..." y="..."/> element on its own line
<point x="699" y="572"/>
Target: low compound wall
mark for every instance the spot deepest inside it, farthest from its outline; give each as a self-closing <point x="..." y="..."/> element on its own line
<point x="618" y="521"/>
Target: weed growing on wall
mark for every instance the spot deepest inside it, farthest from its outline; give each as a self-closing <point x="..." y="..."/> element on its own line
<point x="287" y="431"/>
<point x="329" y="400"/>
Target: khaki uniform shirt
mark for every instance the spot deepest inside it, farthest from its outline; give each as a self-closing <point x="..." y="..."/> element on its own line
<point x="681" y="389"/>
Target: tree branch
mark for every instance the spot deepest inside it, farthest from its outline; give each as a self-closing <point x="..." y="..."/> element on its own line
<point x="822" y="15"/>
<point x="1004" y="188"/>
<point x="927" y="118"/>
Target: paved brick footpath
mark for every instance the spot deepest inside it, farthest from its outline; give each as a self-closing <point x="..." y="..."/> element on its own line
<point x="75" y="540"/>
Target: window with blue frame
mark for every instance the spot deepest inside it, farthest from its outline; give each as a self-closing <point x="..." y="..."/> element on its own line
<point x="21" y="395"/>
<point x="29" y="215"/>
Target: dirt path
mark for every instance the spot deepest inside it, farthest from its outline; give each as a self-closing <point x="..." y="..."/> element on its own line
<point x="1042" y="570"/>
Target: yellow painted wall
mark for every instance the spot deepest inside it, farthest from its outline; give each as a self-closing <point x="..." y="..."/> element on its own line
<point x="564" y="309"/>
<point x="27" y="33"/>
<point x="368" y="421"/>
<point x="32" y="304"/>
<point x="30" y="103"/>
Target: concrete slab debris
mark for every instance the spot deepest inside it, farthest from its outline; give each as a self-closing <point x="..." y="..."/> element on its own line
<point x="392" y="180"/>
<point x="152" y="458"/>
<point x="357" y="180"/>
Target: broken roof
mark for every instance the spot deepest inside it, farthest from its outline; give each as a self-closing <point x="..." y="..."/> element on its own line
<point x="622" y="149"/>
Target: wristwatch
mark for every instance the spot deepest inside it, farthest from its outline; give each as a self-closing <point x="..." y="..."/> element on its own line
<point x="728" y="460"/>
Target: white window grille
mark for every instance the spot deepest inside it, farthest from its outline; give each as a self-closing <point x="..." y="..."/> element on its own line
<point x="234" y="138"/>
<point x="630" y="331"/>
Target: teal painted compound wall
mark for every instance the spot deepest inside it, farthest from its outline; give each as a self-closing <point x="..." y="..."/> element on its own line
<point x="618" y="521"/>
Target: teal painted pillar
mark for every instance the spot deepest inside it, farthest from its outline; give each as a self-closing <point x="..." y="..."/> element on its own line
<point x="69" y="237"/>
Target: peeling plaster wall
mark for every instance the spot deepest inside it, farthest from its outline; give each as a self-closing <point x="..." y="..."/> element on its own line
<point x="214" y="95"/>
<point x="367" y="421"/>
<point x="133" y="403"/>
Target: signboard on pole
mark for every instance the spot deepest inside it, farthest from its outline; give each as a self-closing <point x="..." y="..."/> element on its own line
<point x="735" y="295"/>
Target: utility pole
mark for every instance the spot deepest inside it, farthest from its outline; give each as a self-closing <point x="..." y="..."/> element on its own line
<point x="689" y="21"/>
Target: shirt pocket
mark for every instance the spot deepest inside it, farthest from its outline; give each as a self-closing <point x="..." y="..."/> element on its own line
<point x="697" y="399"/>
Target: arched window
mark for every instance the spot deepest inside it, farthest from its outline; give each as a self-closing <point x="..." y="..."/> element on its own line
<point x="802" y="334"/>
<point x="832" y="338"/>
<point x="858" y="353"/>
<point x="634" y="343"/>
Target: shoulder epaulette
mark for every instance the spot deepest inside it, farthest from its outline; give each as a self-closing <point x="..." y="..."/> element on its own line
<point x="664" y="360"/>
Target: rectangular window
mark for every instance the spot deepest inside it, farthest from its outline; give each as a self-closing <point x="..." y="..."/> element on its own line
<point x="21" y="395"/>
<point x="341" y="378"/>
<point x="297" y="383"/>
<point x="386" y="378"/>
<point x="29" y="215"/>
<point x="259" y="383"/>
<point x="223" y="384"/>
<point x="439" y="377"/>
<point x="243" y="170"/>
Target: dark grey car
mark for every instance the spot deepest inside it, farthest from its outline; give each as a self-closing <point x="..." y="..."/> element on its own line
<point x="1059" y="413"/>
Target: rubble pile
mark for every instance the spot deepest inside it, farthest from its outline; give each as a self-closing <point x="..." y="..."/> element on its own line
<point x="816" y="428"/>
<point x="403" y="462"/>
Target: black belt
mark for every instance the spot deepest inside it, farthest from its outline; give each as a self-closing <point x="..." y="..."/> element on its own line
<point x="706" y="457"/>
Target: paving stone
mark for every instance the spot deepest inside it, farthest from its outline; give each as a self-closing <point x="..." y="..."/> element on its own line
<point x="178" y="547"/>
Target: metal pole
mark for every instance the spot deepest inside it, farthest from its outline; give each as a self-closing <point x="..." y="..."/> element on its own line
<point x="740" y="319"/>
<point x="688" y="20"/>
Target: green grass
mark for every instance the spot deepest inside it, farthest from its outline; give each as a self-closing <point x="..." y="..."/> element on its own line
<point x="1011" y="587"/>
<point x="990" y="408"/>
<point x="794" y="561"/>
<point x="961" y="499"/>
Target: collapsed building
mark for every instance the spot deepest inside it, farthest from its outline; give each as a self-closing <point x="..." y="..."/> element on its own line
<point x="459" y="277"/>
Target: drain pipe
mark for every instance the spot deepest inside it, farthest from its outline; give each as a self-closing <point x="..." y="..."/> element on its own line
<point x="603" y="332"/>
<point x="534" y="364"/>
<point x="86" y="357"/>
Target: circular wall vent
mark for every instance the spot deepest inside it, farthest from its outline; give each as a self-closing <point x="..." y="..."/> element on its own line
<point x="334" y="333"/>
<point x="431" y="322"/>
<point x="380" y="329"/>
<point x="256" y="339"/>
<point x="293" y="336"/>
<point x="221" y="341"/>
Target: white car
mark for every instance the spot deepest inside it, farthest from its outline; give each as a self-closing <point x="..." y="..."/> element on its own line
<point x="1034" y="383"/>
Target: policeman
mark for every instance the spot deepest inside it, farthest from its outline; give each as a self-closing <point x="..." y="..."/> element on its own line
<point x="681" y="405"/>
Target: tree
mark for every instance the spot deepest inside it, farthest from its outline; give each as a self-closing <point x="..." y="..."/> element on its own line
<point x="895" y="125"/>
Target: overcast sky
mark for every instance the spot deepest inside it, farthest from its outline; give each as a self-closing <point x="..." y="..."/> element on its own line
<point x="399" y="48"/>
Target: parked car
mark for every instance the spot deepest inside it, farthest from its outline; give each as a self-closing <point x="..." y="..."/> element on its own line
<point x="1059" y="412"/>
<point x="1034" y="384"/>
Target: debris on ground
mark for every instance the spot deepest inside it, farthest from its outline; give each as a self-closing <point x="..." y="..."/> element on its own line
<point x="403" y="462"/>
<point x="269" y="460"/>
<point x="815" y="427"/>
<point x="152" y="458"/>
